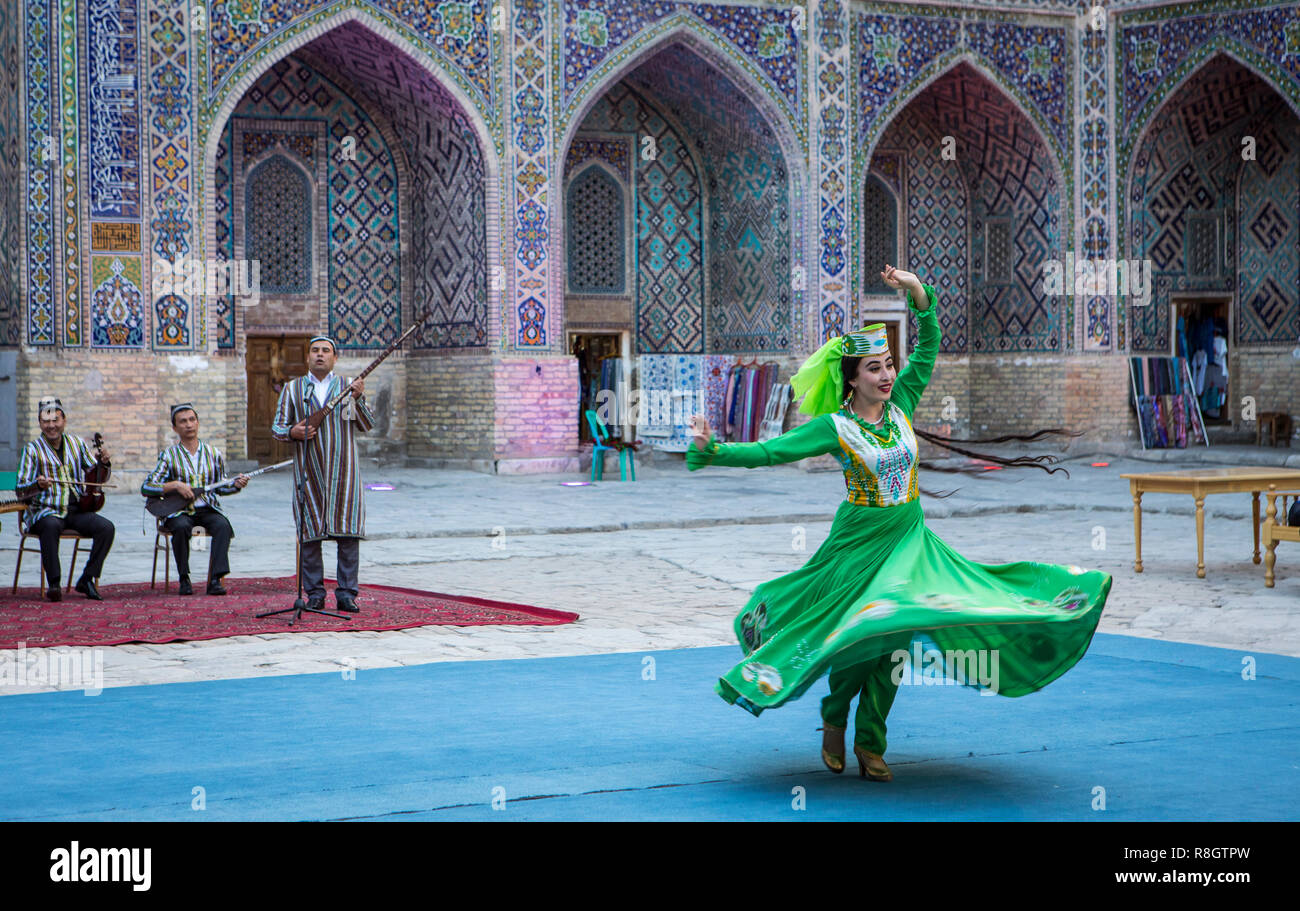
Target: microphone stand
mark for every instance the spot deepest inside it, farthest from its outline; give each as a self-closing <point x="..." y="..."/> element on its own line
<point x="300" y="606"/>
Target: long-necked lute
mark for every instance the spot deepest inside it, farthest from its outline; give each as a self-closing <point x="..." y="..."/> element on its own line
<point x="315" y="419"/>
<point x="164" y="506"/>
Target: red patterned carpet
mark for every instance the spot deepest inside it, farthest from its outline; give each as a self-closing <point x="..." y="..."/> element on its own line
<point x="136" y="613"/>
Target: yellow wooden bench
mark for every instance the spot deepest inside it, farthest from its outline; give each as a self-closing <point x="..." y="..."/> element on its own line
<point x="1275" y="527"/>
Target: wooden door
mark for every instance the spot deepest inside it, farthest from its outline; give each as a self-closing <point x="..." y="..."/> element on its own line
<point x="272" y="361"/>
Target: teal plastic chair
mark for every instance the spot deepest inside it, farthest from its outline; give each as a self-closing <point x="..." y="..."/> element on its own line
<point x="599" y="446"/>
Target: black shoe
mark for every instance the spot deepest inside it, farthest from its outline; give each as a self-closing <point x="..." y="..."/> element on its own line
<point x="346" y="604"/>
<point x="215" y="587"/>
<point x="54" y="593"/>
<point x="185" y="587"/>
<point x="316" y="602"/>
<point x="87" y="588"/>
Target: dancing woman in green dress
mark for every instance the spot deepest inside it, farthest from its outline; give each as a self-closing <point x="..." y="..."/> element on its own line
<point x="883" y="587"/>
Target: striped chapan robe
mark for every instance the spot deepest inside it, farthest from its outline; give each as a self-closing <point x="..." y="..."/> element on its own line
<point x="39" y="460"/>
<point x="325" y="465"/>
<point x="205" y="467"/>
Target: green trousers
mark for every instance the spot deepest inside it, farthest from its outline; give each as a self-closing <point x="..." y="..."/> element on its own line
<point x="872" y="682"/>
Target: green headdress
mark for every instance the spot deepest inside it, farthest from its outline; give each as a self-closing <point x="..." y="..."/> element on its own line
<point x="821" y="381"/>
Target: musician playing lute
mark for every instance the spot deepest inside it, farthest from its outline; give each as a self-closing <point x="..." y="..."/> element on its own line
<point x="325" y="467"/>
<point x="187" y="468"/>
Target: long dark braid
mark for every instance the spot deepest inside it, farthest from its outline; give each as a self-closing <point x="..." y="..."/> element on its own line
<point x="849" y="366"/>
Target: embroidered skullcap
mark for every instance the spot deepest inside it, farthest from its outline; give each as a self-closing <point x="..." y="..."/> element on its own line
<point x="867" y="342"/>
<point x="49" y="403"/>
<point x="183" y="406"/>
<point x="324" y="338"/>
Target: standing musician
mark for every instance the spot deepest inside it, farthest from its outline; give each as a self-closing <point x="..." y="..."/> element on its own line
<point x="181" y="468"/>
<point x="325" y="471"/>
<point x="50" y="476"/>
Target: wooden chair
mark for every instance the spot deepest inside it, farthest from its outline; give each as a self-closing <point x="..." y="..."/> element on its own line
<point x="24" y="549"/>
<point x="162" y="544"/>
<point x="1276" y="528"/>
<point x="1278" y="424"/>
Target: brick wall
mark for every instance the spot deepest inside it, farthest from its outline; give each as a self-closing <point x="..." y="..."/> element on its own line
<point x="536" y="413"/>
<point x="125" y="396"/>
<point x="449" y="405"/>
<point x="1273" y="378"/>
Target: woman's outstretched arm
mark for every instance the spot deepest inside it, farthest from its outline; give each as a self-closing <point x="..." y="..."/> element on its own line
<point x="913" y="379"/>
<point x="817" y="437"/>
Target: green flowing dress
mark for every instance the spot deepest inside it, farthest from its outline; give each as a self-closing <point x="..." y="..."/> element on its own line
<point x="884" y="600"/>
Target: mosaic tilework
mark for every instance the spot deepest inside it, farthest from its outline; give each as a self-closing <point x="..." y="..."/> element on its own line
<point x="1189" y="163"/>
<point x="767" y="44"/>
<point x="1097" y="329"/>
<point x="879" y="233"/>
<point x="896" y="52"/>
<point x="112" y="108"/>
<point x="169" y="127"/>
<point x="1158" y="48"/>
<point x="765" y="40"/>
<point x="937" y="217"/>
<point x="364" y="244"/>
<point x="457" y="33"/>
<point x="11" y="207"/>
<point x="670" y="295"/>
<point x="748" y="244"/>
<point x="224" y="185"/>
<point x="833" y="71"/>
<point x="117" y="303"/>
<point x="277" y="224"/>
<point x="596" y="233"/>
<point x="69" y="166"/>
<point x="42" y="154"/>
<point x="531" y="153"/>
<point x="613" y="152"/>
<point x="1268" y="282"/>
<point x="448" y="210"/>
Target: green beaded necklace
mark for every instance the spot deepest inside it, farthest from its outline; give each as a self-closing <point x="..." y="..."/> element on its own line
<point x="886" y="421"/>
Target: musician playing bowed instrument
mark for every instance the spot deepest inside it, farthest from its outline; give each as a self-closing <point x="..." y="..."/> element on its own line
<point x="50" y="475"/>
<point x="325" y="468"/>
<point x="182" y="468"/>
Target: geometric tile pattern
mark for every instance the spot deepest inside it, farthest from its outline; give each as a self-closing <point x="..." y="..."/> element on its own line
<point x="117" y="316"/>
<point x="879" y="235"/>
<point x="1095" y="202"/>
<point x="69" y="152"/>
<point x="11" y="202"/>
<point x="596" y="240"/>
<point x="747" y="222"/>
<point x="768" y="42"/>
<point x="277" y="215"/>
<point x="113" y="108"/>
<point x="364" y="275"/>
<point x="448" y="207"/>
<point x="1189" y="163"/>
<point x="1268" y="284"/>
<point x="937" y="213"/>
<point x="1155" y="52"/>
<point x="670" y="279"/>
<point x="530" y="136"/>
<point x="42" y="157"/>
<point x="833" y="72"/>
<point x="1013" y="193"/>
<point x="169" y="128"/>
<point x="458" y="33"/>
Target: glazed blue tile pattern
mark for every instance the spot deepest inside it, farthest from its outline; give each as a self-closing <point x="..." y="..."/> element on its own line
<point x="169" y="128"/>
<point x="895" y="50"/>
<point x="448" y="220"/>
<point x="834" y="68"/>
<point x="670" y="274"/>
<point x="1095" y="203"/>
<point x="277" y="223"/>
<point x="1156" y="49"/>
<point x="364" y="249"/>
<point x="1190" y="161"/>
<point x="112" y="108"/>
<point x="747" y="240"/>
<point x="42" y="157"/>
<point x="11" y="203"/>
<point x="764" y="37"/>
<point x="460" y="33"/>
<point x="596" y="233"/>
<point x="532" y="171"/>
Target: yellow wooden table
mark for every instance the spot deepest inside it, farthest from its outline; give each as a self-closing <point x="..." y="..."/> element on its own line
<point x="1200" y="482"/>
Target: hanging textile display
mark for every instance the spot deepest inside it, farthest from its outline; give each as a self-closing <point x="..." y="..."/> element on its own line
<point x="1164" y="395"/>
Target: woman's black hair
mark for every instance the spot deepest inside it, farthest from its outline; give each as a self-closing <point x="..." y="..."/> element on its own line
<point x="849" y="367"/>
